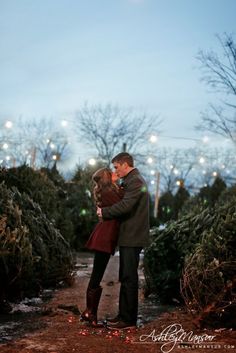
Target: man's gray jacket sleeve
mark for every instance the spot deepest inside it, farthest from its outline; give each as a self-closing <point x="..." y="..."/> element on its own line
<point x="131" y="197"/>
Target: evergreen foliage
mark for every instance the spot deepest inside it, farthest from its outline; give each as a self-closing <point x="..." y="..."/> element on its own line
<point x="208" y="196"/>
<point x="164" y="258"/>
<point x="199" y="249"/>
<point x="36" y="185"/>
<point x="68" y="205"/>
<point x="166" y="207"/>
<point x="208" y="284"/>
<point x="33" y="253"/>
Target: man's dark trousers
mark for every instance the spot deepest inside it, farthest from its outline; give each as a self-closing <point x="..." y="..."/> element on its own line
<point x="128" y="276"/>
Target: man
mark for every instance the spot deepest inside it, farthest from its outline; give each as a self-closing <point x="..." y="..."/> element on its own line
<point x="133" y="213"/>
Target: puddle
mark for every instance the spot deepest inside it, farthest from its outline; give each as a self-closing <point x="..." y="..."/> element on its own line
<point x="150" y="309"/>
<point x="23" y="317"/>
<point x="17" y="325"/>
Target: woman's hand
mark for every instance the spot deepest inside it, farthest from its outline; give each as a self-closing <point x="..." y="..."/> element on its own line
<point x="99" y="213"/>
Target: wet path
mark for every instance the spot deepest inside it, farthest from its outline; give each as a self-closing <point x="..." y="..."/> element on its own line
<point x="26" y="315"/>
<point x="57" y="328"/>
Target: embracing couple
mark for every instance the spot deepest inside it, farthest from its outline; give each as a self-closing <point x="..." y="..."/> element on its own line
<point x="123" y="213"/>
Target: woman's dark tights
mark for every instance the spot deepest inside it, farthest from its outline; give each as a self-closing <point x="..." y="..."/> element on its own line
<point x="100" y="262"/>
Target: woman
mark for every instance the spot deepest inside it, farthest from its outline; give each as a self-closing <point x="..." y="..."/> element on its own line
<point x="103" y="239"/>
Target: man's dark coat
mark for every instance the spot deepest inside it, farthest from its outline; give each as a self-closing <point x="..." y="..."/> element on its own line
<point x="132" y="211"/>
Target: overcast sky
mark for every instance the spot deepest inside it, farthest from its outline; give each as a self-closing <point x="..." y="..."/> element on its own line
<point x="56" y="54"/>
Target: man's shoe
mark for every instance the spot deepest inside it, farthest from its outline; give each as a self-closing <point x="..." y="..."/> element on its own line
<point x="121" y="325"/>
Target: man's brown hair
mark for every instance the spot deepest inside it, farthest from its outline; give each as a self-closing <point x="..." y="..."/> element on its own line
<point x="122" y="158"/>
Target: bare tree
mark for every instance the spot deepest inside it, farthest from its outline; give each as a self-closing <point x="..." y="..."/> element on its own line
<point x="192" y="167"/>
<point x="110" y="129"/>
<point x="175" y="166"/>
<point x="38" y="143"/>
<point x="219" y="73"/>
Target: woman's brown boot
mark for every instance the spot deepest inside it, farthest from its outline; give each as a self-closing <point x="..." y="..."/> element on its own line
<point x="90" y="314"/>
